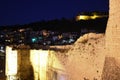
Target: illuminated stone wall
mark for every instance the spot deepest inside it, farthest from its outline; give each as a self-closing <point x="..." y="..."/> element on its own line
<point x="27" y="64"/>
<point x="18" y="64"/>
<point x="113" y="29"/>
<point x="46" y="65"/>
<point x="11" y="63"/>
<point x="111" y="69"/>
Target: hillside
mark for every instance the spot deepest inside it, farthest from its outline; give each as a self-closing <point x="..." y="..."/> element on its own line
<point x="62" y="25"/>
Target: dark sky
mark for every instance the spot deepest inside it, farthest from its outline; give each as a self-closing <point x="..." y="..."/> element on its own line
<point x="26" y="11"/>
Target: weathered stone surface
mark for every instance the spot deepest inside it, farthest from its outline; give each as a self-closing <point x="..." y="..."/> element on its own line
<point x="80" y="61"/>
<point x="113" y="29"/>
<point x="25" y="68"/>
<point x="111" y="69"/>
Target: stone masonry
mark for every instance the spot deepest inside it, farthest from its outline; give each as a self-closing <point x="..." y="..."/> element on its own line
<point x="111" y="69"/>
<point x="113" y="29"/>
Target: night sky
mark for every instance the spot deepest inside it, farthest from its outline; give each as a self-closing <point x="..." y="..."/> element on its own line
<point x="25" y="11"/>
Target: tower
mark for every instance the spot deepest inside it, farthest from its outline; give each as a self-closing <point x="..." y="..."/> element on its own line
<point x="111" y="70"/>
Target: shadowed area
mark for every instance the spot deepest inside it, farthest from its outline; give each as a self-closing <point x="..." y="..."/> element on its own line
<point x="111" y="70"/>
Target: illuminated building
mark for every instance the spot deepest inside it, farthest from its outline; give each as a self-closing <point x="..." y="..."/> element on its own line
<point x="89" y="16"/>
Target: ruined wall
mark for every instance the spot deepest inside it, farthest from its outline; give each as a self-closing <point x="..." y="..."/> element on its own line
<point x="83" y="60"/>
<point x="47" y="65"/>
<point x="25" y="68"/>
<point x="28" y="64"/>
<point x="111" y="69"/>
<point x="86" y="58"/>
<point x="18" y="65"/>
<point x="11" y="63"/>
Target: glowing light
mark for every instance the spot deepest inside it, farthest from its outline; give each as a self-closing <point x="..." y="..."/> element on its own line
<point x="39" y="60"/>
<point x="34" y="40"/>
<point x="43" y="58"/>
<point x="21" y="30"/>
<point x="83" y="17"/>
<point x="95" y="16"/>
<point x="11" y="61"/>
<point x="87" y="17"/>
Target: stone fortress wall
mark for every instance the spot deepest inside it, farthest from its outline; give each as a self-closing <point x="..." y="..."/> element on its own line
<point x="113" y="29"/>
<point x="111" y="69"/>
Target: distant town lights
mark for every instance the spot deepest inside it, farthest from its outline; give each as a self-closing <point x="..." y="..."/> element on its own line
<point x="34" y="40"/>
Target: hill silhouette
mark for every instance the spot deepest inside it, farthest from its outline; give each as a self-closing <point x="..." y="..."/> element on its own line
<point x="63" y="25"/>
